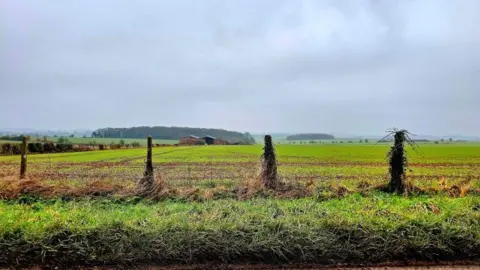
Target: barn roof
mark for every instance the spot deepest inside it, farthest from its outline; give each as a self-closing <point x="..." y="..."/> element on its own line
<point x="193" y="136"/>
<point x="208" y="136"/>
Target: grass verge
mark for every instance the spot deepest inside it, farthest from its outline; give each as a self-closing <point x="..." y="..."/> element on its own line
<point x="352" y="230"/>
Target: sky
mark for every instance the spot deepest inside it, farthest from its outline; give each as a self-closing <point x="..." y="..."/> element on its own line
<point x="351" y="66"/>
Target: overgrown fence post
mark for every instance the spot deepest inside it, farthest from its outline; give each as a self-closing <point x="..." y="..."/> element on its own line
<point x="398" y="161"/>
<point x="23" y="160"/>
<point x="146" y="183"/>
<point x="269" y="176"/>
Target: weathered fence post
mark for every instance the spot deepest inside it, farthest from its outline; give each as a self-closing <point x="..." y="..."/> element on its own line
<point x="149" y="165"/>
<point x="268" y="174"/>
<point x="23" y="161"/>
<point x="145" y="184"/>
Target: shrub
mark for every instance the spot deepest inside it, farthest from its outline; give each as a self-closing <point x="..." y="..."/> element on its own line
<point x="135" y="144"/>
<point x="101" y="147"/>
<point x="6" y="149"/>
<point x="64" y="147"/>
<point x="63" y="140"/>
<point x="35" y="147"/>
<point x="113" y="145"/>
<point x="48" y="147"/>
<point x="16" y="148"/>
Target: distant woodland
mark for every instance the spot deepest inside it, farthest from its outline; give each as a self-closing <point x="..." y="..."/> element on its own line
<point x="310" y="136"/>
<point x="173" y="133"/>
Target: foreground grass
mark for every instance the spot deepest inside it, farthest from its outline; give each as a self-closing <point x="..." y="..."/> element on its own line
<point x="355" y="229"/>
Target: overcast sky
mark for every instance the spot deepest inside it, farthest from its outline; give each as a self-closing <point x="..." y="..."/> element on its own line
<point x="354" y="66"/>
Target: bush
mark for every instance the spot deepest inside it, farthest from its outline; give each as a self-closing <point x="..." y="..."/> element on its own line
<point x="35" y="147"/>
<point x="48" y="147"/>
<point x="6" y="149"/>
<point x="113" y="145"/>
<point x="64" y="147"/>
<point x="135" y="144"/>
<point x="63" y="140"/>
<point x="16" y="148"/>
<point x="101" y="147"/>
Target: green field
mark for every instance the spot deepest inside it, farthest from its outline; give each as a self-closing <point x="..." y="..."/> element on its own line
<point x="78" y="208"/>
<point x="107" y="141"/>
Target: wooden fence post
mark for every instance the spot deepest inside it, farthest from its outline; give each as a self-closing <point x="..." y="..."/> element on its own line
<point x="145" y="185"/>
<point x="149" y="165"/>
<point x="23" y="161"/>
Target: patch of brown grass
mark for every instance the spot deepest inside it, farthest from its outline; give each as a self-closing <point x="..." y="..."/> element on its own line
<point x="454" y="191"/>
<point x="410" y="189"/>
<point x="14" y="188"/>
<point x="208" y="194"/>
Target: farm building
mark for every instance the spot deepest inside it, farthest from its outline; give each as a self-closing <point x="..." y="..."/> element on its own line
<point x="208" y="139"/>
<point x="191" y="140"/>
<point x="195" y="140"/>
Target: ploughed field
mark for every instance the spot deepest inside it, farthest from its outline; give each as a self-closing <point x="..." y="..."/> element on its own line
<point x="82" y="208"/>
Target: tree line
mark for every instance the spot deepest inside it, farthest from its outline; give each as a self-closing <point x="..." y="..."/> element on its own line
<point x="310" y="136"/>
<point x="173" y="133"/>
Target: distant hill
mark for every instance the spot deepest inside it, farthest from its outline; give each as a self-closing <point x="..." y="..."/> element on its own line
<point x="44" y="132"/>
<point x="173" y="133"/>
<point x="310" y="136"/>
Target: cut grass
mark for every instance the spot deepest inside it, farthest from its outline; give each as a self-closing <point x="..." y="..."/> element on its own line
<point x="352" y="230"/>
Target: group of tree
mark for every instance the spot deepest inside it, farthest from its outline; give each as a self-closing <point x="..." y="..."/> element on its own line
<point x="37" y="147"/>
<point x="173" y="133"/>
<point x="310" y="136"/>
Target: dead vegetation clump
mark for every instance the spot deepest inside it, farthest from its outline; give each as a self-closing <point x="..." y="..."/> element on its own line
<point x="15" y="188"/>
<point x="148" y="186"/>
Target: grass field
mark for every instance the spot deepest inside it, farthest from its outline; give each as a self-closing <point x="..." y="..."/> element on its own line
<point x="80" y="140"/>
<point x="81" y="208"/>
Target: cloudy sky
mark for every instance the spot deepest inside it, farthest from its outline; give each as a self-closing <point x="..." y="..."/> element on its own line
<point x="354" y="66"/>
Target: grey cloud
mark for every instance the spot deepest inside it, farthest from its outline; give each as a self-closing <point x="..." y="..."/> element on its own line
<point x="355" y="67"/>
